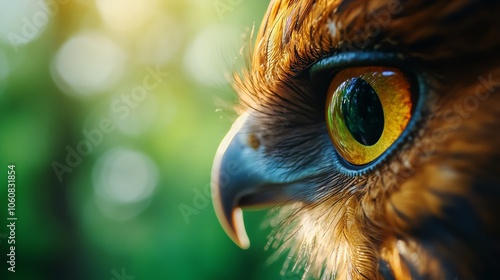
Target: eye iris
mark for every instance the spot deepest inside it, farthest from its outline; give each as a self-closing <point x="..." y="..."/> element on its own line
<point x="367" y="109"/>
<point x="363" y="112"/>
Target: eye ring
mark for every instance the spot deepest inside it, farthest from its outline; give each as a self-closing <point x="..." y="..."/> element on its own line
<point x="323" y="72"/>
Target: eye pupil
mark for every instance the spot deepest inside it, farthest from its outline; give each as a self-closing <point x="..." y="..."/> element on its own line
<point x="363" y="112"/>
<point x="367" y="110"/>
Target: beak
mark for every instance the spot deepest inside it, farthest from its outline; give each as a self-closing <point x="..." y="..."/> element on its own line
<point x="243" y="177"/>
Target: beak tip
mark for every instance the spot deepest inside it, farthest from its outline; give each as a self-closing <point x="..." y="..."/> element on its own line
<point x="239" y="234"/>
<point x="231" y="219"/>
<point x="234" y="226"/>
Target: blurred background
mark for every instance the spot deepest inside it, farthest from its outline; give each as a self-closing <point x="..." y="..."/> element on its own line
<point x="111" y="111"/>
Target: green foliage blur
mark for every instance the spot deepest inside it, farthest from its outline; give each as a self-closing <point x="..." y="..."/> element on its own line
<point x="113" y="161"/>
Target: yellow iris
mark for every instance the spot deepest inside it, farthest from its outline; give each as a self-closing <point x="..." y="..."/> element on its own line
<point x="367" y="109"/>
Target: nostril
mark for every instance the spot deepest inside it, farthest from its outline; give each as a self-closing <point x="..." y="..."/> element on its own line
<point x="253" y="141"/>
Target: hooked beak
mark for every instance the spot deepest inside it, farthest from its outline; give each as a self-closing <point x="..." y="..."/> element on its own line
<point x="241" y="177"/>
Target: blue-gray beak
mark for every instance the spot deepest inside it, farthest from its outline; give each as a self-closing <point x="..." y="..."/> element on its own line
<point x="242" y="177"/>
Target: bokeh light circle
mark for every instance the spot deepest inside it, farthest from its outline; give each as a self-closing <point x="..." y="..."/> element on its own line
<point x="88" y="63"/>
<point x="212" y="53"/>
<point x="124" y="176"/>
<point x="127" y="17"/>
<point x="24" y="20"/>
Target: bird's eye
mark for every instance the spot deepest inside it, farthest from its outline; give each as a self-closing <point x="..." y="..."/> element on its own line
<point x="367" y="109"/>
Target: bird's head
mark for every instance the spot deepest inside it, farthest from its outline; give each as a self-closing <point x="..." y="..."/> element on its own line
<point x="373" y="127"/>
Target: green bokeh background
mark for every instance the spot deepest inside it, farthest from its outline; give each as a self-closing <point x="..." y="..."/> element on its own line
<point x="68" y="229"/>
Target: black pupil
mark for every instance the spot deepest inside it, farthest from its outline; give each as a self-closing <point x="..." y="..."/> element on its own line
<point x="363" y="112"/>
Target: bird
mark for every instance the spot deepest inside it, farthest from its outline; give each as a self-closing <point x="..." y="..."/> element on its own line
<point x="372" y="131"/>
